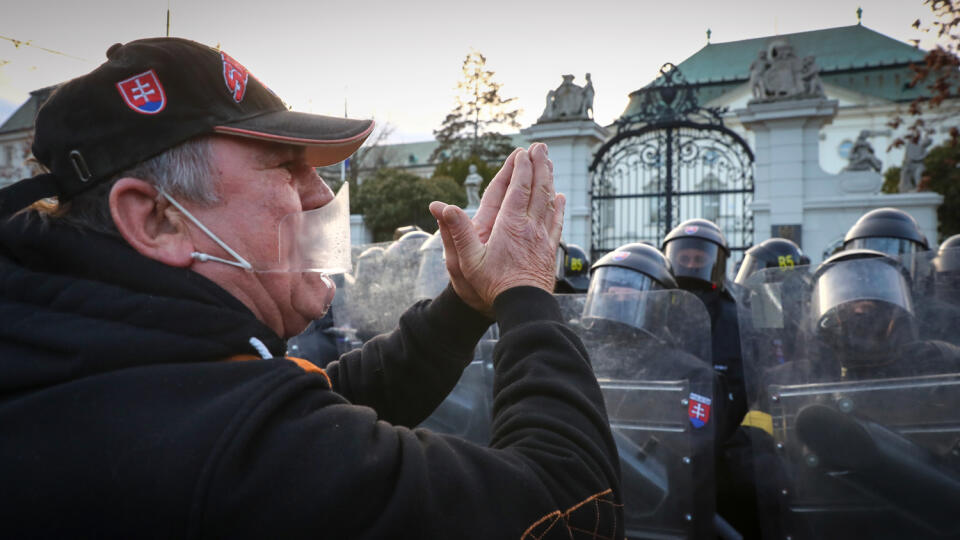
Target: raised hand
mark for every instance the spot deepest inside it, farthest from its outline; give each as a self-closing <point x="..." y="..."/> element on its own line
<point x="523" y="219"/>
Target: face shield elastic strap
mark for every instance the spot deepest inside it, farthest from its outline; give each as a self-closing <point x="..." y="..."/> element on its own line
<point x="239" y="261"/>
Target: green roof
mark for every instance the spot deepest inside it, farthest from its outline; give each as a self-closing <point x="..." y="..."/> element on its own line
<point x="843" y="48"/>
<point x="852" y="57"/>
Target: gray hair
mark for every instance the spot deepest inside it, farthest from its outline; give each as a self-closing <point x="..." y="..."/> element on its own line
<point x="184" y="171"/>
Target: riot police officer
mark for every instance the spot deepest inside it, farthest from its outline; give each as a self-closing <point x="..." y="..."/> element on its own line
<point x="864" y="320"/>
<point x="634" y="331"/>
<point x="947" y="266"/>
<point x="573" y="269"/>
<point x="771" y="253"/>
<point x="698" y="253"/>
<point x="888" y="230"/>
<point x="853" y="438"/>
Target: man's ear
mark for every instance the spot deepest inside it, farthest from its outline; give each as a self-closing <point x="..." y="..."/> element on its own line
<point x="148" y="223"/>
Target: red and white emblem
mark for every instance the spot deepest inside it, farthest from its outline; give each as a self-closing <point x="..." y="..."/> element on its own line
<point x="235" y="76"/>
<point x="699" y="410"/>
<point x="143" y="93"/>
<point x="690" y="229"/>
<point x="620" y="255"/>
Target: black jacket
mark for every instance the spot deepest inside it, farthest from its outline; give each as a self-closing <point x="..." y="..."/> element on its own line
<point x="120" y="415"/>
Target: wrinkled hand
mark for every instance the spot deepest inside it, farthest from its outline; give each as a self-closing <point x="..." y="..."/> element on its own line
<point x="512" y="240"/>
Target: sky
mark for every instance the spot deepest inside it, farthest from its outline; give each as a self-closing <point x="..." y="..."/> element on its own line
<point x="399" y="62"/>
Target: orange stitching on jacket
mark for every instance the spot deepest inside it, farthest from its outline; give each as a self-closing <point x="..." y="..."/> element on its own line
<point x="556" y="515"/>
<point x="305" y="365"/>
<point x="310" y="367"/>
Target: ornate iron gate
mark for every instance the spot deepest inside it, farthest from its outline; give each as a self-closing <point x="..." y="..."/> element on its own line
<point x="671" y="160"/>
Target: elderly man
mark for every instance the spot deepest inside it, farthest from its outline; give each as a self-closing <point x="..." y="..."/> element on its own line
<point x="143" y="390"/>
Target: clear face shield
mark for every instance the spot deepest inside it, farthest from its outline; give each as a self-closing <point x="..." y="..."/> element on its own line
<point x="895" y="247"/>
<point x="697" y="259"/>
<point x="862" y="309"/>
<point x="618" y="294"/>
<point x="311" y="241"/>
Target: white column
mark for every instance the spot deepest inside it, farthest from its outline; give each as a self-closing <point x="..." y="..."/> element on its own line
<point x="792" y="189"/>
<point x="571" y="145"/>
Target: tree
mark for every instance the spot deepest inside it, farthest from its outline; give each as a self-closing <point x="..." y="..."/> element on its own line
<point x="470" y="128"/>
<point x="938" y="72"/>
<point x="392" y="198"/>
<point x="375" y="154"/>
<point x="941" y="174"/>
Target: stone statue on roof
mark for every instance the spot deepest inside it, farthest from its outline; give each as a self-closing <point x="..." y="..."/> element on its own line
<point x="911" y="171"/>
<point x="778" y="74"/>
<point x="862" y="156"/>
<point x="569" y="101"/>
<point x="757" y="69"/>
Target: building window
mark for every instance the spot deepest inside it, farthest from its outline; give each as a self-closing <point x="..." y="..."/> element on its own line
<point x="843" y="149"/>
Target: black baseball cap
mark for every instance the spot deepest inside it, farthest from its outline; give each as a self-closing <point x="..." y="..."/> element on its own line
<point x="153" y="94"/>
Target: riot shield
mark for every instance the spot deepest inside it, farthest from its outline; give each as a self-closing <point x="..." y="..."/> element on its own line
<point x="662" y="406"/>
<point x="855" y="426"/>
<point x="432" y="276"/>
<point x="382" y="288"/>
<point x="936" y="286"/>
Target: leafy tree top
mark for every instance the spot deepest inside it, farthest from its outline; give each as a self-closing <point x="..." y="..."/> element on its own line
<point x="470" y="129"/>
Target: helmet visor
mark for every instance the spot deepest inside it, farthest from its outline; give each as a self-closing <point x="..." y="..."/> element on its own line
<point x="696" y="258"/>
<point x="617" y="294"/>
<point x="859" y="280"/>
<point x="896" y="247"/>
<point x="750" y="266"/>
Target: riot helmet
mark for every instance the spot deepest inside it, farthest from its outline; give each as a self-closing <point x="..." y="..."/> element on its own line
<point x="698" y="252"/>
<point x="771" y="253"/>
<point x="400" y="232"/>
<point x="402" y="258"/>
<point x="861" y="307"/>
<point x="947" y="266"/>
<point x="369" y="265"/>
<point x="573" y="269"/>
<point x="618" y="281"/>
<point x="887" y="230"/>
<point x="432" y="276"/>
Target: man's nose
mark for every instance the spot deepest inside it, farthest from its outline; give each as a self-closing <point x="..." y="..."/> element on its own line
<point x="314" y="192"/>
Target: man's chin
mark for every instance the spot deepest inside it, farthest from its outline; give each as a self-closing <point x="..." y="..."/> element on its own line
<point x="311" y="297"/>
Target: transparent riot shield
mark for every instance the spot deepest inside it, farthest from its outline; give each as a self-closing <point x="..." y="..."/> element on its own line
<point x="571" y="307"/>
<point x="936" y="285"/>
<point x="432" y="276"/>
<point x="662" y="406"/>
<point x="855" y="426"/>
<point x="382" y="288"/>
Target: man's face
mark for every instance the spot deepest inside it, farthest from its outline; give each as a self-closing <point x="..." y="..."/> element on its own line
<point x="692" y="258"/>
<point x="259" y="183"/>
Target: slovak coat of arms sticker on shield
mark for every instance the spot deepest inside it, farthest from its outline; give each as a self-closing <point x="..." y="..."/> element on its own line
<point x="698" y="410"/>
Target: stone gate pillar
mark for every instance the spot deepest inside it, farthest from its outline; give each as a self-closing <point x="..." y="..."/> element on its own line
<point x="571" y="144"/>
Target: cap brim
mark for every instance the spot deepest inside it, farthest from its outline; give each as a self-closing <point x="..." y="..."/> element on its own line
<point x="328" y="139"/>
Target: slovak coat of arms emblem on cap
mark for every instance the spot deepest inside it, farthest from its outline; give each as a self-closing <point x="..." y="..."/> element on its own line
<point x="698" y="409"/>
<point x="690" y="229"/>
<point x="235" y="76"/>
<point x="143" y="93"/>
